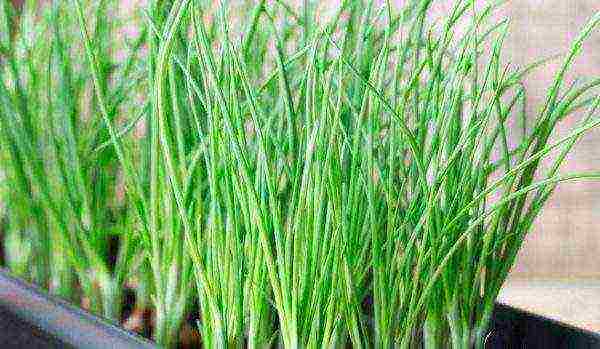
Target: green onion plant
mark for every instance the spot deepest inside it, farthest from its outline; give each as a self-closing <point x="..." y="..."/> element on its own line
<point x="304" y="178"/>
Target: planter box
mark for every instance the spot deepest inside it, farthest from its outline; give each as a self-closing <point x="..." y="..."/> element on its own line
<point x="31" y="319"/>
<point x="514" y="328"/>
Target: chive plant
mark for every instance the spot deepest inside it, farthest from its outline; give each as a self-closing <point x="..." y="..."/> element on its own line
<point x="191" y="225"/>
<point x="462" y="177"/>
<point x="362" y="178"/>
<point x="64" y="182"/>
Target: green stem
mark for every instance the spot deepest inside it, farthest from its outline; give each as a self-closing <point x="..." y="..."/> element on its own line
<point x="160" y="327"/>
<point x="432" y="331"/>
<point x="455" y="327"/>
<point x="111" y="300"/>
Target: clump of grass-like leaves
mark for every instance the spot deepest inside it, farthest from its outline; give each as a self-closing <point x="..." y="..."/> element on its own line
<point x="64" y="215"/>
<point x="362" y="178"/>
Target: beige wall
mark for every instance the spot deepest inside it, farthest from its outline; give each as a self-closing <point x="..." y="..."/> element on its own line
<point x="565" y="242"/>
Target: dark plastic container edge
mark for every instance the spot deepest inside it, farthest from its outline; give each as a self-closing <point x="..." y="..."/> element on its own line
<point x="30" y="318"/>
<point x="57" y="322"/>
<point x="515" y="328"/>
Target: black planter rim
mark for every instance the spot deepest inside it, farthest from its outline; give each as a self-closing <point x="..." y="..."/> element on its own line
<point x="57" y="322"/>
<point x="54" y="323"/>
